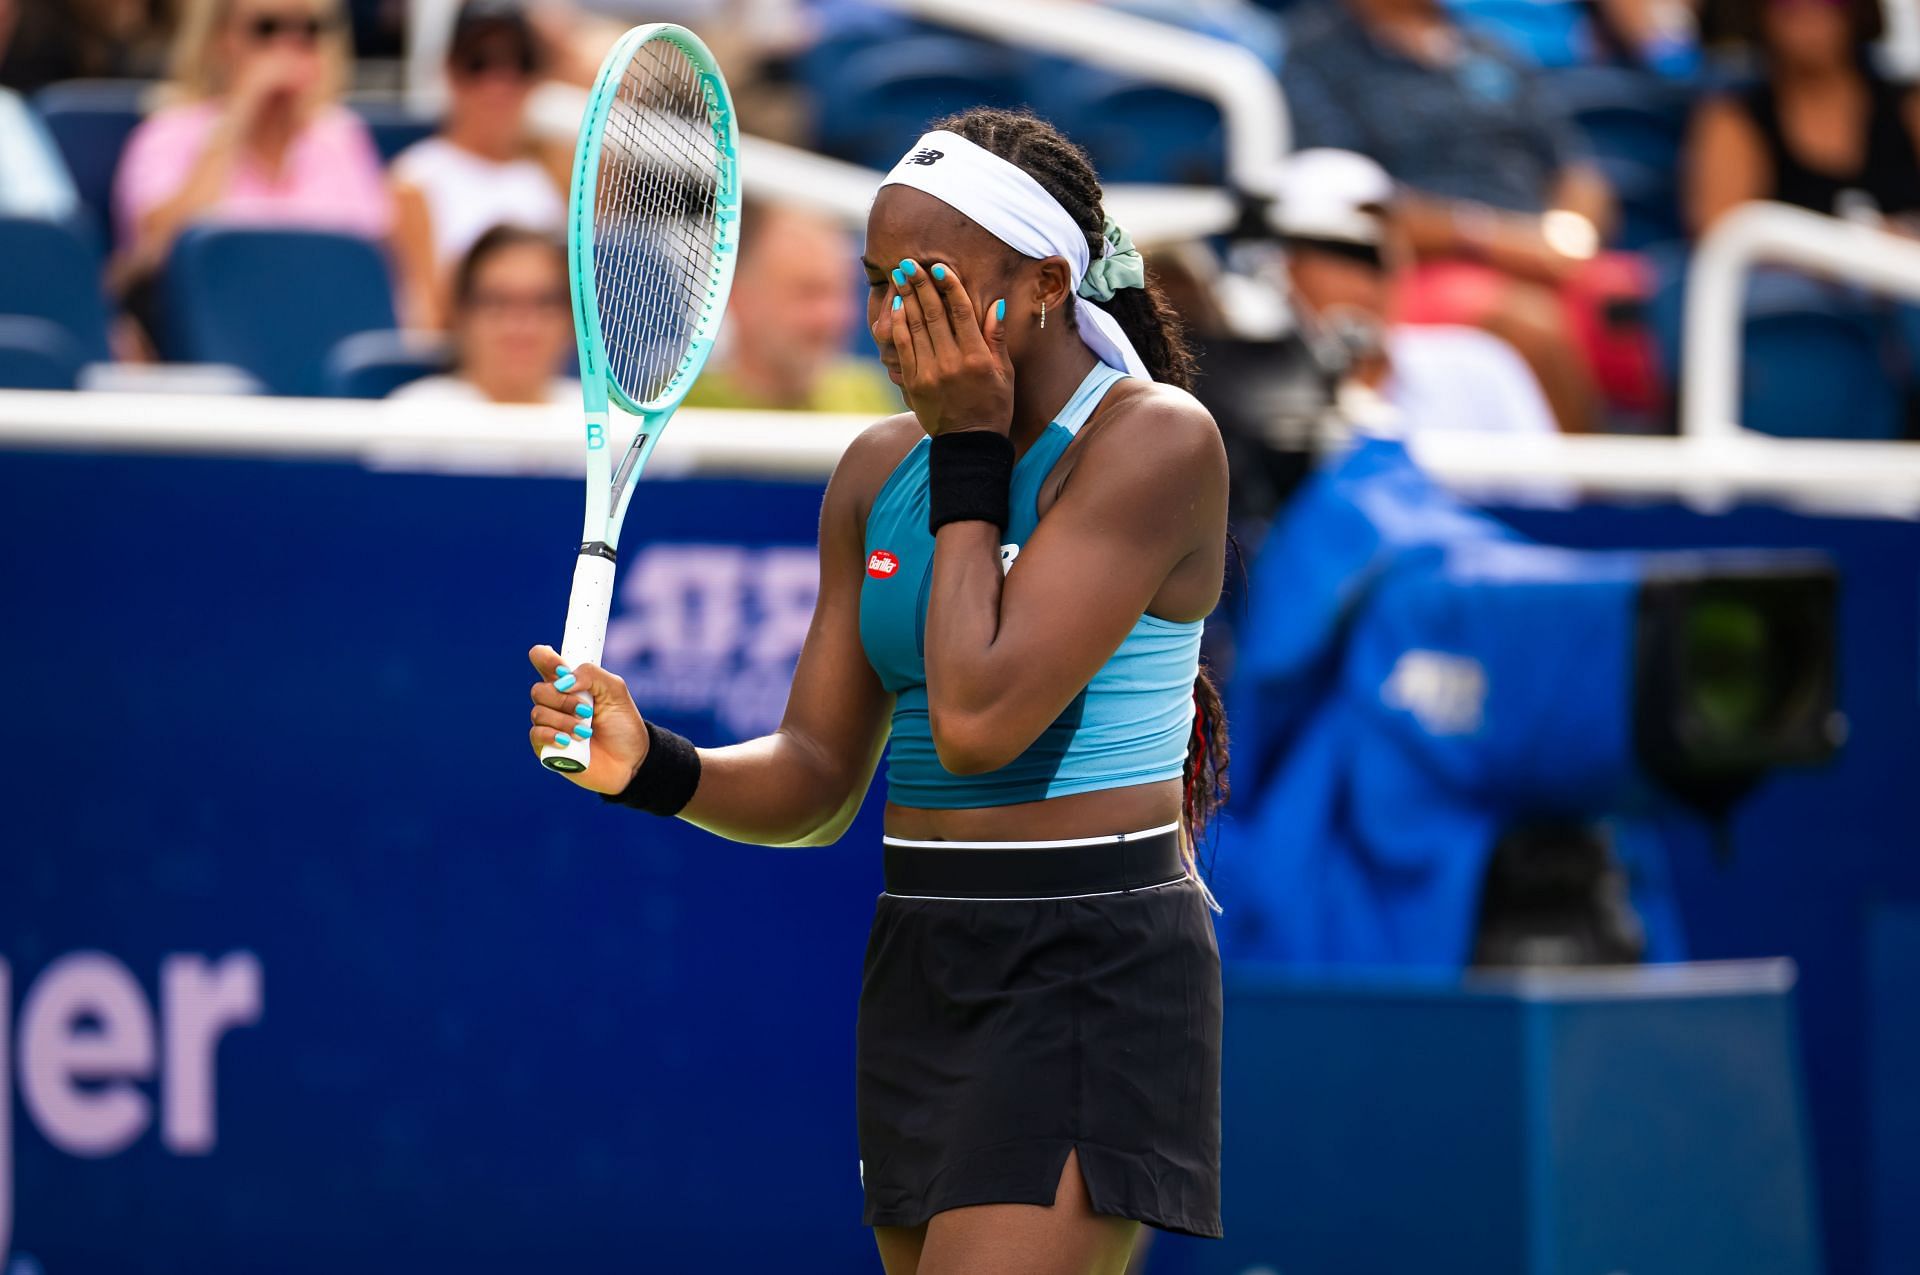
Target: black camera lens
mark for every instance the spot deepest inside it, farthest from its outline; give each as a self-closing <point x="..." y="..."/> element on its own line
<point x="1734" y="669"/>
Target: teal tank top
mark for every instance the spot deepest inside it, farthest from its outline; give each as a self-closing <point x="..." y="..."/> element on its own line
<point x="1128" y="726"/>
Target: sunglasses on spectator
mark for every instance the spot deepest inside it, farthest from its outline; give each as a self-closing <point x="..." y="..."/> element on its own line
<point x="473" y="65"/>
<point x="307" y="28"/>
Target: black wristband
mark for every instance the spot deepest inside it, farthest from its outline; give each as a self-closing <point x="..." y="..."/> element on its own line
<point x="969" y="478"/>
<point x="664" y="783"/>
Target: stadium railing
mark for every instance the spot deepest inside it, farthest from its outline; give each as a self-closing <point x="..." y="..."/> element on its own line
<point x="1899" y="51"/>
<point x="1252" y="108"/>
<point x="1258" y="127"/>
<point x="1761" y="234"/>
<point x="1152" y="214"/>
<point x="1850" y="478"/>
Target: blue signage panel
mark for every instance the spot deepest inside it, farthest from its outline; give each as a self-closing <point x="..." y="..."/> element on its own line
<point x="309" y="966"/>
<point x="306" y="965"/>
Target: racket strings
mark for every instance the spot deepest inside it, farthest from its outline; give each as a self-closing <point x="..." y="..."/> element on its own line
<point x="655" y="220"/>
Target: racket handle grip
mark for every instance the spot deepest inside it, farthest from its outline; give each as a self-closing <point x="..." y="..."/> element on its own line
<point x="586" y="637"/>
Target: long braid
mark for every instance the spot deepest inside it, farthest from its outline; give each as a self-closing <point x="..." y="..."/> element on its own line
<point x="1064" y="171"/>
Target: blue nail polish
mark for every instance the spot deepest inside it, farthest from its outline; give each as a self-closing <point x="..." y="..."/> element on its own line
<point x="564" y="684"/>
<point x="583" y="710"/>
<point x="1000" y="309"/>
<point x="561" y="671"/>
<point x="939" y="272"/>
<point x="896" y="303"/>
<point x="561" y="740"/>
<point x="899" y="281"/>
<point x="584" y="731"/>
<point x="907" y="266"/>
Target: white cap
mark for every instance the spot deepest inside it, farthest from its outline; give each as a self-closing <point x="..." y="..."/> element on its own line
<point x="1332" y="194"/>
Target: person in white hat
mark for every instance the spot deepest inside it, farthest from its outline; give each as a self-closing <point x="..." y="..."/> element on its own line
<point x="1335" y="216"/>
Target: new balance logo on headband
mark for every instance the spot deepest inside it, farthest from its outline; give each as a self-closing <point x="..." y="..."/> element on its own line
<point x="926" y="155"/>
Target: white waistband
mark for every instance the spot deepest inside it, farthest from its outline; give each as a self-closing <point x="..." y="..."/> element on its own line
<point x="1035" y="845"/>
<point x="1035" y="898"/>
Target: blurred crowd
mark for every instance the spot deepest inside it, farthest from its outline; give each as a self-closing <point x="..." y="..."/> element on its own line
<point x="1487" y="215"/>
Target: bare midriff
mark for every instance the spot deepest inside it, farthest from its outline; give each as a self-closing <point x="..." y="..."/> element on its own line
<point x="1086" y="814"/>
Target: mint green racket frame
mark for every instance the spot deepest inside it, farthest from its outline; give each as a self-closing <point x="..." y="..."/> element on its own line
<point x="616" y="425"/>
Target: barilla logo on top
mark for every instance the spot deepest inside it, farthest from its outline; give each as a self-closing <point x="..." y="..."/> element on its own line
<point x="882" y="565"/>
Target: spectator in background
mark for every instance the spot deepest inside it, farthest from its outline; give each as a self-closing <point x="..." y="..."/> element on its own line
<point x="483" y="169"/>
<point x="753" y="41"/>
<point x="512" y="328"/>
<point x="255" y="134"/>
<point x="1240" y="22"/>
<point x="1336" y="222"/>
<point x="34" y="181"/>
<point x="792" y="312"/>
<point x="1662" y="36"/>
<point x="83" y="39"/>
<point x="1503" y="211"/>
<point x="1820" y="129"/>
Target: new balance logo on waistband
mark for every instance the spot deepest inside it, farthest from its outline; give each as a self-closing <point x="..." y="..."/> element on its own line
<point x="926" y="155"/>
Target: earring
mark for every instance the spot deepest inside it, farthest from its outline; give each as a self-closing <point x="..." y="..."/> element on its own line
<point x="1043" y="313"/>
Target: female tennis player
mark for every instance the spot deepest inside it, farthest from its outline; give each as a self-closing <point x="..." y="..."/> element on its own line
<point x="1013" y="577"/>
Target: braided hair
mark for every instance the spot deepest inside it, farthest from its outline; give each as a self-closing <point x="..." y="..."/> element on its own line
<point x="1064" y="171"/>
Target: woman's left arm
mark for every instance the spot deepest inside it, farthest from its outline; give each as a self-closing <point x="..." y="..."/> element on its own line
<point x="1008" y="649"/>
<point x="1007" y="653"/>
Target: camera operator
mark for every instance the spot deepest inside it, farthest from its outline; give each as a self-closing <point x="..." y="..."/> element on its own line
<point x="1344" y="257"/>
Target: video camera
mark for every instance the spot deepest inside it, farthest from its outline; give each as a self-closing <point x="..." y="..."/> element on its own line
<point x="1458" y="745"/>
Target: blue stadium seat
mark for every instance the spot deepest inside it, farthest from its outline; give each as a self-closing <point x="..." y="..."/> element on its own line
<point x="1636" y="125"/>
<point x="1816" y="361"/>
<point x="885" y="95"/>
<point x="1135" y="131"/>
<point x="841" y="29"/>
<point x="1819" y="374"/>
<point x="90" y="121"/>
<point x="272" y="302"/>
<point x="1649" y="202"/>
<point x="393" y="125"/>
<point x="51" y="272"/>
<point x="37" y="355"/>
<point x="375" y="364"/>
<point x="1545" y="32"/>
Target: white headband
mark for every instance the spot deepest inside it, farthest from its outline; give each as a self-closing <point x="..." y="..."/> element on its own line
<point x="1017" y="210"/>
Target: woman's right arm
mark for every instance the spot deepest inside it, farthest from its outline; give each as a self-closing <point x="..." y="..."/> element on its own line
<point x="160" y="202"/>
<point x="159" y="199"/>
<point x="802" y="784"/>
<point x="422" y="302"/>
<point x="1726" y="164"/>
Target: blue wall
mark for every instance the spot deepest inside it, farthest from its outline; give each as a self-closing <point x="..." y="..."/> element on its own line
<point x="281" y="708"/>
<point x="1816" y="852"/>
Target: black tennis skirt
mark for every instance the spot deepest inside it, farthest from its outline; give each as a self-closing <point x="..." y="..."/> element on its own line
<point x="1023" y="1000"/>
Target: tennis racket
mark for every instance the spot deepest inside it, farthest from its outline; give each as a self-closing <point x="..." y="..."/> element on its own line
<point x="652" y="227"/>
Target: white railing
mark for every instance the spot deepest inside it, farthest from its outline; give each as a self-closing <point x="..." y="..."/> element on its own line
<point x="834" y="188"/>
<point x="1769" y="234"/>
<point x="1875" y="479"/>
<point x="434" y="437"/>
<point x="1900" y="49"/>
<point x="1252" y="108"/>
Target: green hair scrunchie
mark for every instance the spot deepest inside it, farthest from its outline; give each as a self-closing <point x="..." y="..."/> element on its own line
<point x="1121" y="267"/>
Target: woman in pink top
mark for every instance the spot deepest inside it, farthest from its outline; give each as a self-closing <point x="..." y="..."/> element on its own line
<point x="256" y="134"/>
